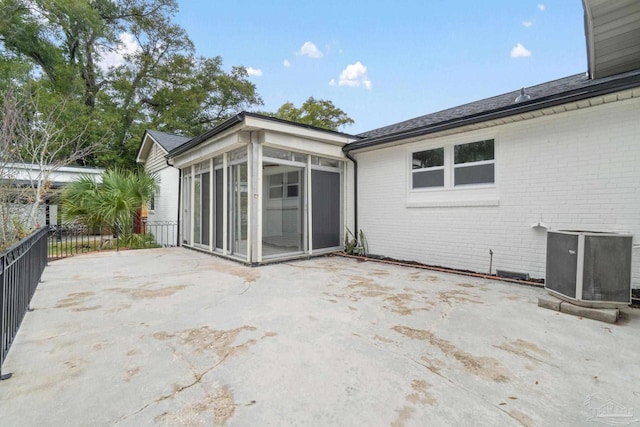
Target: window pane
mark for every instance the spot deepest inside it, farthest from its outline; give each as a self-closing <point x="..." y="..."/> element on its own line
<point x="434" y="178"/>
<point x="292" y="177"/>
<point x="292" y="190"/>
<point x="326" y="192"/>
<point x="473" y="152"/>
<point x="219" y="208"/>
<point x="205" y="218"/>
<point x="239" y="154"/>
<point x="284" y="218"/>
<point x="275" y="179"/>
<point x="275" y="193"/>
<point x="275" y="153"/>
<point x="330" y="163"/>
<point x="481" y="174"/>
<point x="428" y="159"/>
<point x="297" y="157"/>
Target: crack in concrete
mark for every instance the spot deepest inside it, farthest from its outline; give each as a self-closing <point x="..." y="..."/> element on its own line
<point x="223" y="353"/>
<point x="179" y="389"/>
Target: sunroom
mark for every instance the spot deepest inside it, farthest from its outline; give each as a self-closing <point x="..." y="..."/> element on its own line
<point x="260" y="189"/>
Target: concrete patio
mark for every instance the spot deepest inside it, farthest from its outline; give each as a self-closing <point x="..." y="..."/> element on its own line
<point x="176" y="337"/>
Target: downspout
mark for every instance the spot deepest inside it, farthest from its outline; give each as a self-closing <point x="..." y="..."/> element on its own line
<point x="355" y="193"/>
<point x="179" y="199"/>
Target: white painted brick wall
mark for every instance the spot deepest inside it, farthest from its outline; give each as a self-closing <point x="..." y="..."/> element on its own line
<point x="574" y="170"/>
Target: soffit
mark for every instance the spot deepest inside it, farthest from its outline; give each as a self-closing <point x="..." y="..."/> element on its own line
<point x="612" y="29"/>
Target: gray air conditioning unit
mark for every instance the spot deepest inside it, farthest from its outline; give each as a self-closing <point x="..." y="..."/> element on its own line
<point x="589" y="268"/>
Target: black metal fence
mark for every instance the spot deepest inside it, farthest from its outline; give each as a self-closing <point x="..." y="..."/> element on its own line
<point x="72" y="239"/>
<point x="21" y="268"/>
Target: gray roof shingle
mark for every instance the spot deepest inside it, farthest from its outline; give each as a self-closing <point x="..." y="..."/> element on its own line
<point x="168" y="141"/>
<point x="540" y="96"/>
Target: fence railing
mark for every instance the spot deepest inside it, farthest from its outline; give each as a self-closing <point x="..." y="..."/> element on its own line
<point x="72" y="239"/>
<point x="21" y="268"/>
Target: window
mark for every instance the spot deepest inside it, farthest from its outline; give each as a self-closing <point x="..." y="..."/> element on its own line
<point x="152" y="202"/>
<point x="292" y="184"/>
<point x="284" y="185"/>
<point x="474" y="163"/>
<point x="275" y="186"/>
<point x="454" y="166"/>
<point x="428" y="168"/>
<point x="275" y="153"/>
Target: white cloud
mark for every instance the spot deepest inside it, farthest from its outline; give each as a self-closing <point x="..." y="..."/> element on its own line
<point x="309" y="49"/>
<point x="286" y="63"/>
<point x="127" y="45"/>
<point x="527" y="23"/>
<point x="354" y="75"/>
<point x="332" y="82"/>
<point x="541" y="6"/>
<point x="257" y="72"/>
<point x="520" y="51"/>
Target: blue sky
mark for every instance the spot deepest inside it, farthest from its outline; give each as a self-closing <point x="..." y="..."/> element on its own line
<point x="387" y="61"/>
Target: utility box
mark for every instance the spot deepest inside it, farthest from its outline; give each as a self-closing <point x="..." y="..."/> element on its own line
<point x="589" y="268"/>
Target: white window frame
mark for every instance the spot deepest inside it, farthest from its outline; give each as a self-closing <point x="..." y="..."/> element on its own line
<point x="285" y="186"/>
<point x="429" y="169"/>
<point x="449" y="194"/>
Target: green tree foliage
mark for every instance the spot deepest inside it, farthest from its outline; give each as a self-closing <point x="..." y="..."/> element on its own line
<point x="158" y="83"/>
<point x="315" y="112"/>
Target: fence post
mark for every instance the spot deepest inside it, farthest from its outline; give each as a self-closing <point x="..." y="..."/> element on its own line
<point x="3" y="316"/>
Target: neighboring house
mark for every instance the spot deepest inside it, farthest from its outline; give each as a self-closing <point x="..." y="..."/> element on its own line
<point x="474" y="187"/>
<point x="258" y="189"/>
<point x="164" y="205"/>
<point x="50" y="178"/>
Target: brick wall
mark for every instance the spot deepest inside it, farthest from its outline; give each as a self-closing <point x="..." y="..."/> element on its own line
<point x="572" y="170"/>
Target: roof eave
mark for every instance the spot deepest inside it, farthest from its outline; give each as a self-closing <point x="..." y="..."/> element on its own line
<point x="142" y="144"/>
<point x="509" y="110"/>
<point x="227" y="124"/>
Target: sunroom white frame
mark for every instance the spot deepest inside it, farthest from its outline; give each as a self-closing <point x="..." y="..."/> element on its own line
<point x="248" y="135"/>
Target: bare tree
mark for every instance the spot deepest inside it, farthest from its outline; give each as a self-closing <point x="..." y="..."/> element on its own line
<point x="38" y="138"/>
<point x="8" y="154"/>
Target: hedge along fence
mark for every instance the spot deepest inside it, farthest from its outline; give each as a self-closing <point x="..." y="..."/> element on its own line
<point x="21" y="268"/>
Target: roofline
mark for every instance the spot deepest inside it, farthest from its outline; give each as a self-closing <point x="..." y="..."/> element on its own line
<point x="229" y="123"/>
<point x="144" y="137"/>
<point x="67" y="168"/>
<point x="302" y="125"/>
<point x="148" y="132"/>
<point x="574" y="95"/>
<point x="239" y="118"/>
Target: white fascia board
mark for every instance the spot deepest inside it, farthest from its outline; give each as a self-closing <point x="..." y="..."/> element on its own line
<point x="328" y="137"/>
<point x="211" y="148"/>
<point x="145" y="143"/>
<point x="300" y="144"/>
<point x="64" y="174"/>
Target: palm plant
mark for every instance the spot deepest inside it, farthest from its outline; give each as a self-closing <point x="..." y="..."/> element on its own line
<point x="114" y="202"/>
